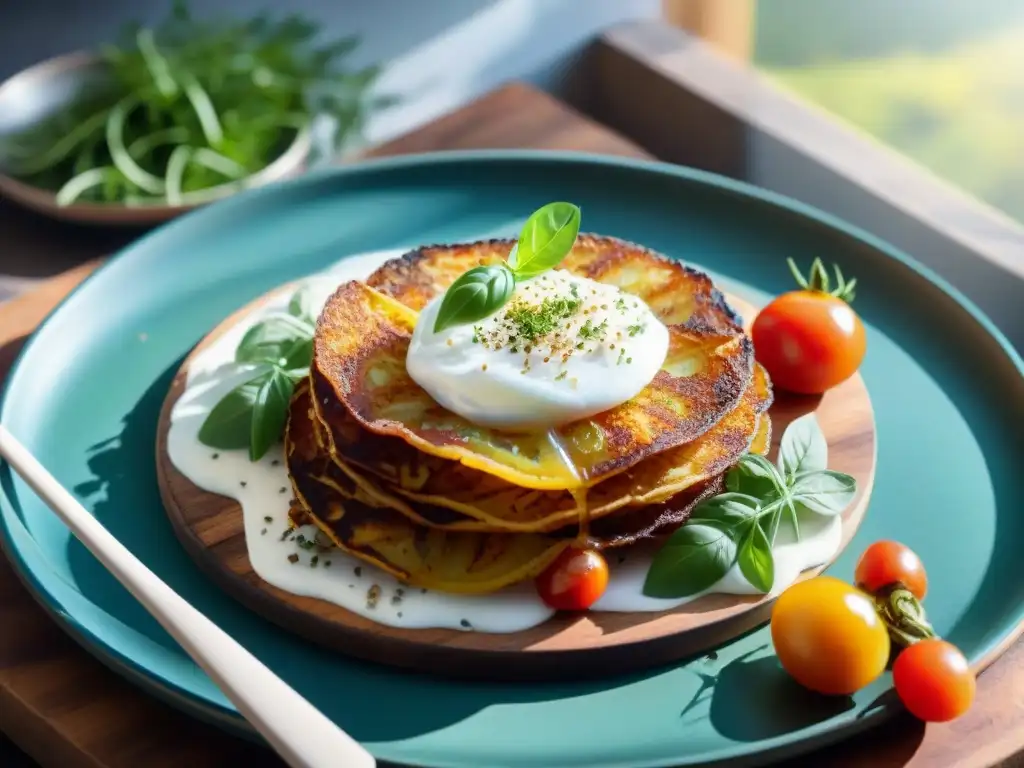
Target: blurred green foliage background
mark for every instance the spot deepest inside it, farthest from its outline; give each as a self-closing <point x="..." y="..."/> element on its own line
<point x="941" y="81"/>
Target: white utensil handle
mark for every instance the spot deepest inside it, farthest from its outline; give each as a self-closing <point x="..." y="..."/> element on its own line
<point x="299" y="732"/>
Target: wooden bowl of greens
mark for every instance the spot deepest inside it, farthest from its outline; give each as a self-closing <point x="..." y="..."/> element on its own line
<point x="173" y="117"/>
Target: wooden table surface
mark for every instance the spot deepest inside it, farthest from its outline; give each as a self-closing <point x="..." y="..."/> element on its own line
<point x="67" y="710"/>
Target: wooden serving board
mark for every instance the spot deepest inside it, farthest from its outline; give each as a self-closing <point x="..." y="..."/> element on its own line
<point x="210" y="527"/>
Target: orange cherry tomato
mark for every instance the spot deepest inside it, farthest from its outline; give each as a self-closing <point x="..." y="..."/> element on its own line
<point x="828" y="636"/>
<point x="885" y="563"/>
<point x="574" y="581"/>
<point x="934" y="681"/>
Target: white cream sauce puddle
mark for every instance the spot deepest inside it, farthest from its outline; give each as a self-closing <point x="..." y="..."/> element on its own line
<point x="263" y="491"/>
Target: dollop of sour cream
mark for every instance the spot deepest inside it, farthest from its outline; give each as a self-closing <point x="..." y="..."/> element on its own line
<point x="561" y="349"/>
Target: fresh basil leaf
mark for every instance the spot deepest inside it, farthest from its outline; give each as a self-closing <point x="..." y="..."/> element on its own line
<point x="269" y="341"/>
<point x="298" y="355"/>
<point x="693" y="559"/>
<point x="546" y="238"/>
<point x="825" y="492"/>
<point x="771" y="519"/>
<point x="726" y="511"/>
<point x="270" y="412"/>
<point x="229" y="425"/>
<point x="301" y="327"/>
<point x="300" y="305"/>
<point x="296" y="374"/>
<point x="755" y="476"/>
<point x="757" y="564"/>
<point x="260" y="344"/>
<point x="803" y="447"/>
<point x="794" y="519"/>
<point x="474" y="295"/>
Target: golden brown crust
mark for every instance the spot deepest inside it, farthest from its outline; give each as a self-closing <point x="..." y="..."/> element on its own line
<point x="653" y="520"/>
<point x="485" y="502"/>
<point x="327" y="499"/>
<point x="677" y="294"/>
<point x="360" y="347"/>
<point x="663" y="475"/>
<point x="463" y="562"/>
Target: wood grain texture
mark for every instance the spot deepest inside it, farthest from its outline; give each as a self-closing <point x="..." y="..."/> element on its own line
<point x="67" y="710"/>
<point x="210" y="527"/>
<point x="534" y="119"/>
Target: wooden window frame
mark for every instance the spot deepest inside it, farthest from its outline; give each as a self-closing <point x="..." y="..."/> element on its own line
<point x="684" y="102"/>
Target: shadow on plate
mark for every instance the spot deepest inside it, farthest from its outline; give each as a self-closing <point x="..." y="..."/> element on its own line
<point x="755" y="699"/>
<point x="123" y="495"/>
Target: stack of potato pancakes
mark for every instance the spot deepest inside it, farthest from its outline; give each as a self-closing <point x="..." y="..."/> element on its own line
<point x="390" y="476"/>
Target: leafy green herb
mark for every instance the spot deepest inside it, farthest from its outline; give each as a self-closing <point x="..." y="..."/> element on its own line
<point x="547" y="236"/>
<point x="532" y="323"/>
<point x="728" y="511"/>
<point x="823" y="492"/>
<point x="253" y="414"/>
<point x="301" y="306"/>
<point x="229" y="425"/>
<point x="278" y="341"/>
<point x="588" y="331"/>
<point x="474" y="295"/>
<point x="757" y="564"/>
<point x="755" y="476"/>
<point x="803" y="447"/>
<point x="746" y="518"/>
<point x="269" y="412"/>
<point x="544" y="241"/>
<point x="188" y="105"/>
<point x="693" y="559"/>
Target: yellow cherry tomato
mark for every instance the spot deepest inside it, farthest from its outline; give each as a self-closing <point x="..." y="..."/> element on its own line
<point x="828" y="636"/>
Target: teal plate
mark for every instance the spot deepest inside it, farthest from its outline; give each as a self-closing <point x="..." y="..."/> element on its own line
<point x="947" y="389"/>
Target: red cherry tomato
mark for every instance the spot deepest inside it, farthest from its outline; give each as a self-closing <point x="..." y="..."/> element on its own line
<point x="808" y="341"/>
<point x="934" y="681"/>
<point x="574" y="581"/>
<point x="885" y="563"/>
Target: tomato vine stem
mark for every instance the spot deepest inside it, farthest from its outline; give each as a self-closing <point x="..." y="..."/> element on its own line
<point x="903" y="616"/>
<point x="818" y="280"/>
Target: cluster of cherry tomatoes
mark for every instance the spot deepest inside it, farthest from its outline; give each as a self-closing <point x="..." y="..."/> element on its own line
<point x="835" y="638"/>
<point x="831" y="637"/>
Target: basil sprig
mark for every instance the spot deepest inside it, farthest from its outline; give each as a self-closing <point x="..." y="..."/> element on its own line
<point x="253" y="414"/>
<point x="546" y="238"/>
<point x="739" y="527"/>
<point x="475" y="294"/>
